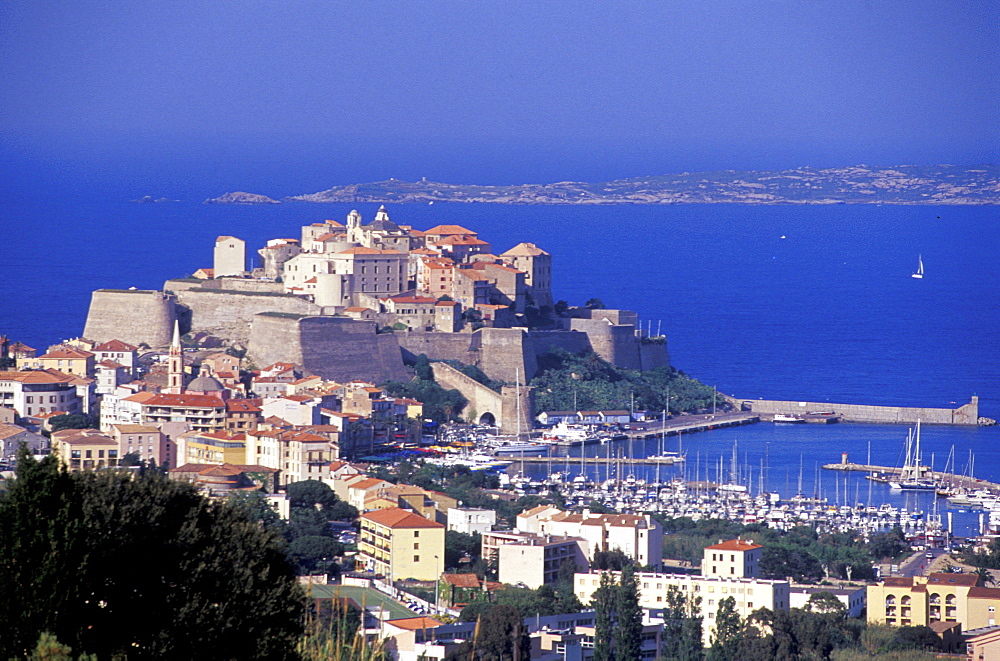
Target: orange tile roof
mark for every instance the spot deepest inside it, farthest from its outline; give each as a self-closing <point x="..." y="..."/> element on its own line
<point x="415" y="623"/>
<point x="444" y="230"/>
<point x="237" y="405"/>
<point x="162" y="399"/>
<point x="396" y="517"/>
<point x="67" y="352"/>
<point x="463" y="580"/>
<point x="35" y="376"/>
<point x="115" y="345"/>
<point x="735" y="545"/>
<point x="141" y="397"/>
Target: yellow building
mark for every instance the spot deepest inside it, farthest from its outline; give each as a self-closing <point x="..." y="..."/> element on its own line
<point x="217" y="447"/>
<point x="68" y="360"/>
<point x="923" y="600"/>
<point x="84" y="449"/>
<point x="399" y="544"/>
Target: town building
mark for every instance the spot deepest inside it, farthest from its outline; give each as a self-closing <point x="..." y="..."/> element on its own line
<point x="84" y="449"/>
<point x="299" y="455"/>
<point x="119" y="352"/>
<point x="33" y="392"/>
<point x="63" y="358"/>
<point x="469" y="520"/>
<point x="13" y="437"/>
<point x="230" y="256"/>
<point x="923" y="600"/>
<point x="147" y="442"/>
<point x="202" y="412"/>
<point x="530" y="559"/>
<point x="398" y="544"/>
<point x="639" y="537"/>
<point x="211" y="447"/>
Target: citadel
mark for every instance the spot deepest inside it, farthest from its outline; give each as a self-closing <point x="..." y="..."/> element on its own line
<point x="356" y="300"/>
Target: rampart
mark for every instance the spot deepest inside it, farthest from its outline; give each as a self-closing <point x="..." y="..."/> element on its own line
<point x="963" y="415"/>
<point x="486" y="405"/>
<point x="227" y="314"/>
<point x="135" y="316"/>
<point x="334" y="348"/>
<point x="505" y="354"/>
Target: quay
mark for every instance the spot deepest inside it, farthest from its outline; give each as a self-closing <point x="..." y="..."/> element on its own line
<point x="590" y="461"/>
<point x="945" y="479"/>
<point x="691" y="424"/>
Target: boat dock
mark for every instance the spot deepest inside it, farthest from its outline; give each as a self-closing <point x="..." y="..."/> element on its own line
<point x="691" y="424"/>
<point x="591" y="461"/>
<point x="945" y="479"/>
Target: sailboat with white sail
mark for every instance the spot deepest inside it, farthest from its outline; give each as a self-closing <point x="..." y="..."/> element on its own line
<point x="913" y="476"/>
<point x="919" y="273"/>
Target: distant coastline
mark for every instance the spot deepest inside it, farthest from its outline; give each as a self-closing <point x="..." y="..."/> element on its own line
<point x="861" y="184"/>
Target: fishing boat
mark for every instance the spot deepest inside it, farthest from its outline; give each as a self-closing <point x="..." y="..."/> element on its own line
<point x="781" y="417"/>
<point x="912" y="476"/>
<point x="919" y="273"/>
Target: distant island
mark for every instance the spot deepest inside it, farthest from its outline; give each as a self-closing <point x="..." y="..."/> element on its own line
<point x="860" y="184"/>
<point x="240" y="197"/>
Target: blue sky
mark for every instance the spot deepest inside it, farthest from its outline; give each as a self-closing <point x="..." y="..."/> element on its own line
<point x="503" y="92"/>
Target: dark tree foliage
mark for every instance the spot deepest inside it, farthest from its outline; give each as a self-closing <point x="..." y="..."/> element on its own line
<point x="628" y="631"/>
<point x="74" y="421"/>
<point x="603" y="602"/>
<point x="728" y="632"/>
<point x="440" y="405"/>
<point x="615" y="560"/>
<point x="682" y="627"/>
<point x="116" y="564"/>
<point x="593" y="383"/>
<point x="256" y="508"/>
<point x="308" y="522"/>
<point x="313" y="553"/>
<point x="458" y="545"/>
<point x="502" y="635"/>
<point x="310" y="493"/>
<point x="546" y="600"/>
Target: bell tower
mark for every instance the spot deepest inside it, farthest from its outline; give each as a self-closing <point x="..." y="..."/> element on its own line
<point x="175" y="364"/>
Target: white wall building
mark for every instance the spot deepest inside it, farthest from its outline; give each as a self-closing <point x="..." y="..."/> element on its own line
<point x="469" y="520"/>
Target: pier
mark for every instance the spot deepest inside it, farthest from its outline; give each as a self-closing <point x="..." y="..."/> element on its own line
<point x="945" y="479"/>
<point x="591" y="461"/>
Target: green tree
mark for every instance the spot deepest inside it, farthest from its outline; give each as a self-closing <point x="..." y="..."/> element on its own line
<point x="310" y="493"/>
<point x="628" y="630"/>
<point x="69" y="548"/>
<point x="594" y="304"/>
<point x="313" y="553"/>
<point x="502" y="635"/>
<point x="458" y="545"/>
<point x="681" y="627"/>
<point x="603" y="602"/>
<point x="728" y="632"/>
<point x="74" y="421"/>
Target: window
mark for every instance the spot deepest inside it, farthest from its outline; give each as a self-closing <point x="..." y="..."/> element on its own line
<point x="416" y="558"/>
<point x="416" y="546"/>
<point x="416" y="533"/>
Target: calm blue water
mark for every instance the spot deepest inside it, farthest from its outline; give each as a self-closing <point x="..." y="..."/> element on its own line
<point x="829" y="313"/>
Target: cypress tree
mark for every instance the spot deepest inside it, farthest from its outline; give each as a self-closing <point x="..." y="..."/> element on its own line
<point x="628" y="631"/>
<point x="604" y="603"/>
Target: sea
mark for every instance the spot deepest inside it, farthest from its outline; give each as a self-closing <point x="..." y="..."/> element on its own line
<point x="809" y="302"/>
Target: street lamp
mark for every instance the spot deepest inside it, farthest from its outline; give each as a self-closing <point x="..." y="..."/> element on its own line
<point x="437" y="584"/>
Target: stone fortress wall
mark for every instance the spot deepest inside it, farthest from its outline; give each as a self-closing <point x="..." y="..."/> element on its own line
<point x="335" y="348"/>
<point x="137" y="316"/>
<point x="484" y="402"/>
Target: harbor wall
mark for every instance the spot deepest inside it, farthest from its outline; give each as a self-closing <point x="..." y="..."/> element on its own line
<point x="135" y="316"/>
<point x="967" y="414"/>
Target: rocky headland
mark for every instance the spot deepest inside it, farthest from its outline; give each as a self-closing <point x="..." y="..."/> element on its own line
<point x="860" y="184"/>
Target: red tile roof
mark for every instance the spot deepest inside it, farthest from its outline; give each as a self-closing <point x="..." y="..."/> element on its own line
<point x="199" y="401"/>
<point x="735" y="545"/>
<point x="115" y="345"/>
<point x="415" y="623"/>
<point x="396" y="517"/>
<point x="445" y="230"/>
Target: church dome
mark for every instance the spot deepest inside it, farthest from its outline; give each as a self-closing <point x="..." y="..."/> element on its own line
<point x="205" y="384"/>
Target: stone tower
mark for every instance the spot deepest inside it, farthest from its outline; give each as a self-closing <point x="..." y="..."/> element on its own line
<point x="230" y="256"/>
<point x="175" y="365"/>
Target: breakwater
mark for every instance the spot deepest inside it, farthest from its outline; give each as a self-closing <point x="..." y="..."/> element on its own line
<point x="946" y="479"/>
<point x="967" y="414"/>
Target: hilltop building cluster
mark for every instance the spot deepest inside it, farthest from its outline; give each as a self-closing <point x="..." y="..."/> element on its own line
<point x="354" y="300"/>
